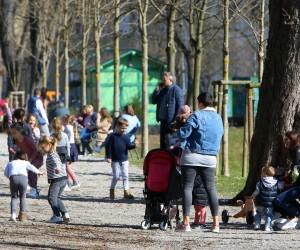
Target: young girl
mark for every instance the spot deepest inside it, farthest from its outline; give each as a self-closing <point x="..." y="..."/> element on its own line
<point x="117" y="148"/>
<point x="27" y="145"/>
<point x="16" y="118"/>
<point x="32" y="121"/>
<point x="68" y="122"/>
<point x="57" y="178"/>
<point x="16" y="171"/>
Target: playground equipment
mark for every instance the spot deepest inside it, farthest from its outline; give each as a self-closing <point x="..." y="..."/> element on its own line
<point x="248" y="118"/>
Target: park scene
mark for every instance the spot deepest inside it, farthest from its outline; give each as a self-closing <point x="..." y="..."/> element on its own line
<point x="149" y="124"/>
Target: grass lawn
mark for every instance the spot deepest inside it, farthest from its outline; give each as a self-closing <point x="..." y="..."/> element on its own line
<point x="227" y="186"/>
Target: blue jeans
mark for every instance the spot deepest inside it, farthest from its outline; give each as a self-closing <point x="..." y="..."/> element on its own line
<point x="85" y="134"/>
<point x="264" y="211"/>
<point x="120" y="168"/>
<point x="287" y="201"/>
<point x="54" y="193"/>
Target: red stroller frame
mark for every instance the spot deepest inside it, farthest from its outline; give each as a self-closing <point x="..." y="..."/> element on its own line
<point x="161" y="204"/>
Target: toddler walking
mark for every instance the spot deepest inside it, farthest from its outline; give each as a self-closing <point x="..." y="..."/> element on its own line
<point x="265" y="192"/>
<point x="117" y="148"/>
<point x="16" y="171"/>
<point x="57" y="178"/>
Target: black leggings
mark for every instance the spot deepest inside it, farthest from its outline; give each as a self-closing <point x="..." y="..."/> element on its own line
<point x="207" y="176"/>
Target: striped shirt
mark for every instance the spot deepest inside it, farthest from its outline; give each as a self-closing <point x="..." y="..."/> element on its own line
<point x="53" y="162"/>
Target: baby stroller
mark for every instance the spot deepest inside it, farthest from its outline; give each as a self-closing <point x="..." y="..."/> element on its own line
<point x="162" y="189"/>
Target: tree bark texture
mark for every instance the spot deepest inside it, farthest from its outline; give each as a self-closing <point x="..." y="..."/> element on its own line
<point x="171" y="49"/>
<point x="278" y="108"/>
<point x="14" y="40"/>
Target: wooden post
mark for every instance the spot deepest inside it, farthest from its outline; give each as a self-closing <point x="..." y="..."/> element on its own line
<point x="216" y="96"/>
<point x="216" y="102"/>
<point x="246" y="136"/>
<point x="250" y="113"/>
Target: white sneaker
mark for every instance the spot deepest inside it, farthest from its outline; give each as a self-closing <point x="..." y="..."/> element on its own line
<point x="269" y="229"/>
<point x="75" y="184"/>
<point x="13" y="217"/>
<point x="33" y="193"/>
<point x="298" y="224"/>
<point x="289" y="224"/>
<point x="55" y="219"/>
<point x="182" y="228"/>
<point x="280" y="220"/>
<point x="28" y="188"/>
<point x="67" y="189"/>
<point x="66" y="218"/>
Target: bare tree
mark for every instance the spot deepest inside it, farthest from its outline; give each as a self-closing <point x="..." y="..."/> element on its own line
<point x="278" y="107"/>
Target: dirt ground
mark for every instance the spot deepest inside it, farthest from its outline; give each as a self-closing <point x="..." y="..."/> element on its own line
<point x="100" y="223"/>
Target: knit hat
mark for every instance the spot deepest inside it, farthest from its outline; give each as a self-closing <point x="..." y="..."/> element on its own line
<point x="185" y="109"/>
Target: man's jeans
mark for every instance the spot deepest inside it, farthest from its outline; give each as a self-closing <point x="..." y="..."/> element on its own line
<point x="287" y="201"/>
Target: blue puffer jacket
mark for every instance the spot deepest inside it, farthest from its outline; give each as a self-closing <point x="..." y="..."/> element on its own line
<point x="202" y="132"/>
<point x="266" y="195"/>
<point x="172" y="97"/>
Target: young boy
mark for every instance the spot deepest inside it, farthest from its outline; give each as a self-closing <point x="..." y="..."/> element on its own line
<point x="117" y="148"/>
<point x="264" y="194"/>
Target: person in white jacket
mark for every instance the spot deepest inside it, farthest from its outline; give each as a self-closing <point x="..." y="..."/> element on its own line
<point x="16" y="171"/>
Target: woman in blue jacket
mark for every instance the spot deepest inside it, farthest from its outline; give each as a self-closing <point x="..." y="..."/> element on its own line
<point x="200" y="142"/>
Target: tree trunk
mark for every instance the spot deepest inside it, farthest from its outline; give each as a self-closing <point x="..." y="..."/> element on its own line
<point x="278" y="108"/>
<point x="225" y="167"/>
<point x="117" y="60"/>
<point x="83" y="53"/>
<point x="199" y="53"/>
<point x="171" y="49"/>
<point x="66" y="54"/>
<point x="14" y="40"/>
<point x="261" y="41"/>
<point x="97" y="35"/>
<point x="57" y="64"/>
<point x="143" y="27"/>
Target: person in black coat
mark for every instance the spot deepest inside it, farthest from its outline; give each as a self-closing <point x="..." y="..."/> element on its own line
<point x="200" y="202"/>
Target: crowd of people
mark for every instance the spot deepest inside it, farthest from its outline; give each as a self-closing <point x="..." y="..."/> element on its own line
<point x="32" y="142"/>
<point x="56" y="141"/>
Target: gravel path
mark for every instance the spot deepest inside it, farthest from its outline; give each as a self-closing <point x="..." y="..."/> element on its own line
<point x="99" y="223"/>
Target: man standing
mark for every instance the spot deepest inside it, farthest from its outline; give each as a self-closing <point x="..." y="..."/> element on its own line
<point x="169" y="98"/>
<point x="35" y="106"/>
<point x="59" y="111"/>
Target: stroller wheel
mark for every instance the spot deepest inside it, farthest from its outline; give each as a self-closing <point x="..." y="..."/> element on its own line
<point x="250" y="217"/>
<point x="163" y="225"/>
<point x="225" y="216"/>
<point x="145" y="224"/>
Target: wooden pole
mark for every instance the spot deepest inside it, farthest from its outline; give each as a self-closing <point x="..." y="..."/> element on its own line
<point x="246" y="136"/>
<point x="216" y="102"/>
<point x="250" y="113"/>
